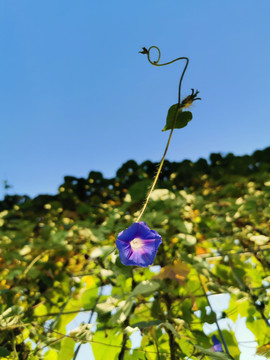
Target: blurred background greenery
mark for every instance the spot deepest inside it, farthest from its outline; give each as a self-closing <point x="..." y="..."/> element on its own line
<point x="214" y="219"/>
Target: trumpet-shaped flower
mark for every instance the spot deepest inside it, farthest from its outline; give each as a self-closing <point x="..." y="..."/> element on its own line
<point x="217" y="344"/>
<point x="138" y="245"/>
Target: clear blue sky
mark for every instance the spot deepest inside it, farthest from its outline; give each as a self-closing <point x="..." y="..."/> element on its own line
<point x="76" y="96"/>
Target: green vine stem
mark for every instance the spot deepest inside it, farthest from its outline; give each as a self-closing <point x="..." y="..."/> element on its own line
<point x="156" y="63"/>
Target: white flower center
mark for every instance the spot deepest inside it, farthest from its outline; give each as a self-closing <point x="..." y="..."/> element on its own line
<point x="136" y="244"/>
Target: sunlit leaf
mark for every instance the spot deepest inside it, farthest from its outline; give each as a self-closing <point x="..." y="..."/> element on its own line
<point x="67" y="349"/>
<point x="89" y="298"/>
<point x="51" y="355"/>
<point x="106" y="344"/>
<point x="186" y="347"/>
<point x="70" y="312"/>
<point x="40" y="310"/>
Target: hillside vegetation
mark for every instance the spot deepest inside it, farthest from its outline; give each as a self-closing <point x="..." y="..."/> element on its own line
<point x="214" y="219"/>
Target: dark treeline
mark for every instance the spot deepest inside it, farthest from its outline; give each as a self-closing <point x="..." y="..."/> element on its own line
<point x="135" y="179"/>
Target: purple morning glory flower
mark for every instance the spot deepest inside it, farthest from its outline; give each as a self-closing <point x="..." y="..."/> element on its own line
<point x="138" y="245"/>
<point x="217" y="344"/>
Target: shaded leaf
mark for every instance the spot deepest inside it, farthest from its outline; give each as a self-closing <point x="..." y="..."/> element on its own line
<point x="145" y="324"/>
<point x="182" y="118"/>
<point x="171" y="328"/>
<point x="213" y="355"/>
<point x="139" y="190"/>
<point x="145" y="288"/>
<point x="122" y="313"/>
<point x="4" y="352"/>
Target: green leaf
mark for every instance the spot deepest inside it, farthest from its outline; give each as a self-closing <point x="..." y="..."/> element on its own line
<point x="231" y="343"/>
<point x="136" y="355"/>
<point x="213" y="355"/>
<point x="145" y="288"/>
<point x="33" y="273"/>
<point x="182" y="118"/>
<point x="241" y="307"/>
<point x="4" y="352"/>
<point x="186" y="347"/>
<point x="106" y="344"/>
<point x="122" y="313"/>
<point x="51" y="355"/>
<point x="72" y="306"/>
<point x="67" y="349"/>
<point x="89" y="298"/>
<point x="171" y="328"/>
<point x="260" y="330"/>
<point x="146" y="324"/>
<point x="40" y="310"/>
<point x="139" y="189"/>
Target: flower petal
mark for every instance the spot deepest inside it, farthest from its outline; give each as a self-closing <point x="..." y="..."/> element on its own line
<point x="124" y="250"/>
<point x="139" y="258"/>
<point x="146" y="233"/>
<point x="130" y="233"/>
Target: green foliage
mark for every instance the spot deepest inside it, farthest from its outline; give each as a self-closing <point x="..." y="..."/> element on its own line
<point x="4" y="352"/>
<point x="106" y="344"/>
<point x="182" y="118"/>
<point x="67" y="349"/>
<point x="213" y="356"/>
<point x="215" y="226"/>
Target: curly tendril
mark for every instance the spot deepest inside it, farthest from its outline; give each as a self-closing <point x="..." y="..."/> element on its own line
<point x="156" y="63"/>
